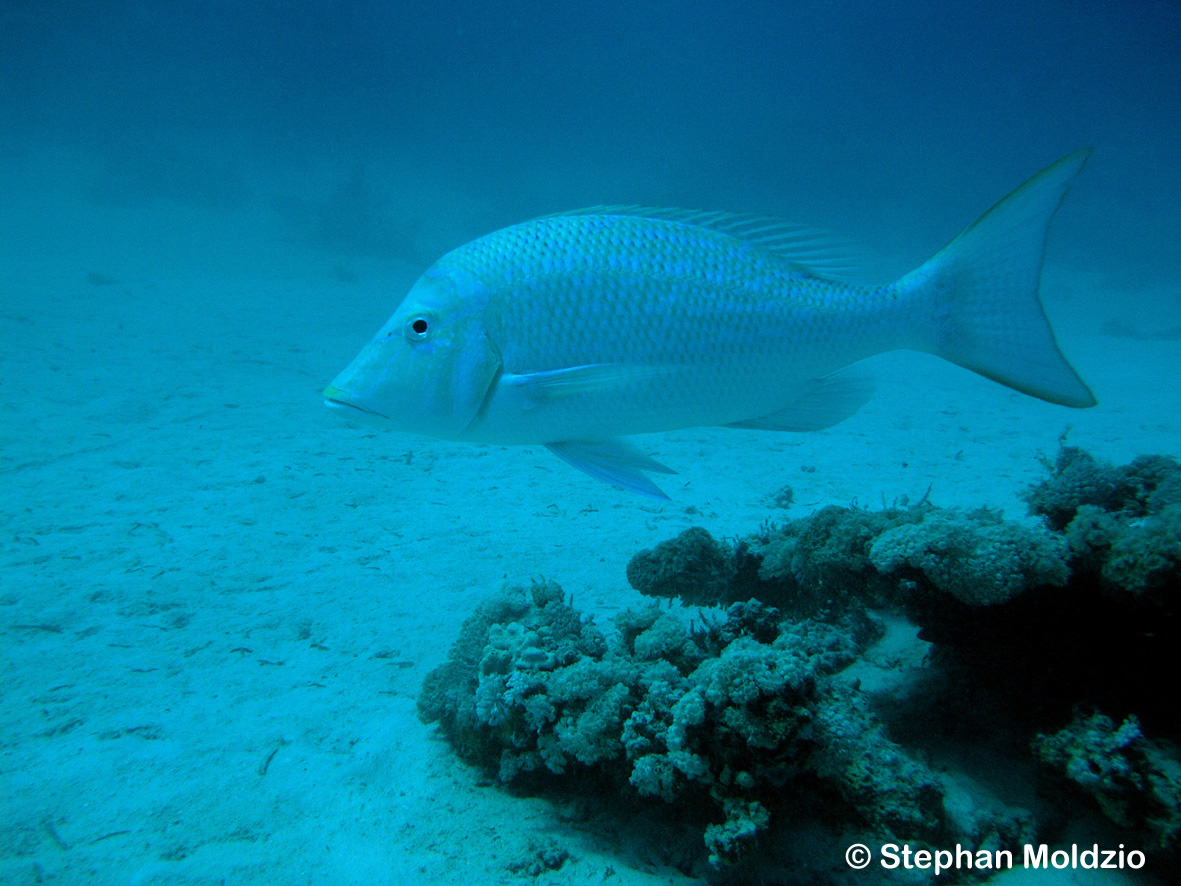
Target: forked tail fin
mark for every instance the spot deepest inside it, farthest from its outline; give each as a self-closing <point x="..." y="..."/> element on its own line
<point x="981" y="291"/>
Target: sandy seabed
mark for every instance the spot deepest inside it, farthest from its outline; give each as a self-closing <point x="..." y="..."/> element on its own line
<point x="218" y="600"/>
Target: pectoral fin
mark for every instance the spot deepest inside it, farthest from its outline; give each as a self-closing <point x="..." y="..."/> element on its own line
<point x="556" y="384"/>
<point x="613" y="461"/>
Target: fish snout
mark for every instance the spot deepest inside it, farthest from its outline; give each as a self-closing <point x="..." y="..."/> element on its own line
<point x="335" y="398"/>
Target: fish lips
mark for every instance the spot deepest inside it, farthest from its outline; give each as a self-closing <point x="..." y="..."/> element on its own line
<point x="336" y="399"/>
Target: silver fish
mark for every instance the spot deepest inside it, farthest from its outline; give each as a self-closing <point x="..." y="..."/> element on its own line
<point x="573" y="330"/>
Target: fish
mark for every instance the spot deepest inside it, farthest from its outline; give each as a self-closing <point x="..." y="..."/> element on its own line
<point x="576" y="330"/>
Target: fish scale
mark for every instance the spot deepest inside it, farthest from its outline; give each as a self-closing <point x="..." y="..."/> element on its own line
<point x="659" y="294"/>
<point x="577" y="329"/>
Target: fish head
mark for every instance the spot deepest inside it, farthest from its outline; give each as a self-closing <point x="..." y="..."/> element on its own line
<point x="430" y="367"/>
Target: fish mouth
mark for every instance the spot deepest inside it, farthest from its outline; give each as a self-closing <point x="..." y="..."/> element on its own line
<point x="335" y="398"/>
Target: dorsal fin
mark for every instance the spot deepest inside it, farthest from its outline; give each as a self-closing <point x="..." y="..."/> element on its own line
<point x="814" y="250"/>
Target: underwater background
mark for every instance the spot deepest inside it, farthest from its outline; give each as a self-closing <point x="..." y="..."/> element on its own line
<point x="219" y="602"/>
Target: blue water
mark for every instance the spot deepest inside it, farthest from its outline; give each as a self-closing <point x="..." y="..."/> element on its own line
<point x="850" y="114"/>
<point x="206" y="209"/>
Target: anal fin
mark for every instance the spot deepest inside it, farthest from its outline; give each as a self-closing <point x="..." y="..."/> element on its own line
<point x="826" y="402"/>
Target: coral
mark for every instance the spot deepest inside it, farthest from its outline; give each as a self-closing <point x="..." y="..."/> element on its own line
<point x="510" y="640"/>
<point x="1135" y="783"/>
<point x="667" y="639"/>
<point x="895" y="792"/>
<point x="692" y="566"/>
<point x="1147" y="555"/>
<point x="728" y="726"/>
<point x="1076" y="478"/>
<point x="726" y="717"/>
<point x="1147" y="485"/>
<point x="827" y="553"/>
<point x="749" y="619"/>
<point x="730" y="841"/>
<point x="1136" y="555"/>
<point x="976" y="556"/>
<point x="1123" y="524"/>
<point x="817" y="565"/>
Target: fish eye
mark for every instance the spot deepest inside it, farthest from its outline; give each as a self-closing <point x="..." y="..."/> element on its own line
<point x="417" y="327"/>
